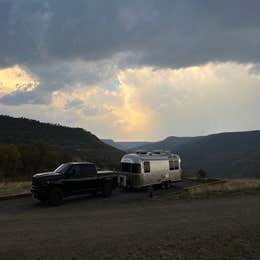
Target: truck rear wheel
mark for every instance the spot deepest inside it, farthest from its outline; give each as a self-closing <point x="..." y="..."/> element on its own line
<point x="56" y="196"/>
<point x="43" y="200"/>
<point x="107" y="189"/>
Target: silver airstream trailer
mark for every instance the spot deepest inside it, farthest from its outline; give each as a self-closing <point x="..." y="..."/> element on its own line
<point x="143" y="168"/>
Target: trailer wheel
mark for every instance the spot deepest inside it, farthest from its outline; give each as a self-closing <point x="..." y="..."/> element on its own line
<point x="107" y="189"/>
<point x="56" y="196"/>
<point x="122" y="189"/>
<point x="167" y="186"/>
<point x="156" y="186"/>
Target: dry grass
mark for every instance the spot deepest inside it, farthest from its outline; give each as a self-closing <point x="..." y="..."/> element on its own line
<point x="14" y="188"/>
<point x="204" y="190"/>
<point x="229" y="186"/>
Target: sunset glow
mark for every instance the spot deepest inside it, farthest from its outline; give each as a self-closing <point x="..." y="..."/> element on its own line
<point x="16" y="79"/>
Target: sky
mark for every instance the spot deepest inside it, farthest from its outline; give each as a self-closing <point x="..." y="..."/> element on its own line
<point x="133" y="70"/>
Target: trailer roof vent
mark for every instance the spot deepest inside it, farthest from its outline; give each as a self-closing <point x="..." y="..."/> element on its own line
<point x="157" y="152"/>
<point x="162" y="152"/>
<point x="167" y="153"/>
<point x="141" y="152"/>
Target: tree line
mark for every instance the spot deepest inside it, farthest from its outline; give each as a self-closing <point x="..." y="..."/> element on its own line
<point x="23" y="161"/>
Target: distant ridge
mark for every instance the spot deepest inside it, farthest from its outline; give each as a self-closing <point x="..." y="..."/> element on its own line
<point x="169" y="143"/>
<point x="130" y="145"/>
<point x="124" y="146"/>
<point x="230" y="154"/>
<point x="113" y="143"/>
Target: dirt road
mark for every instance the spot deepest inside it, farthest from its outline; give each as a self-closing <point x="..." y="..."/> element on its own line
<point x="131" y="226"/>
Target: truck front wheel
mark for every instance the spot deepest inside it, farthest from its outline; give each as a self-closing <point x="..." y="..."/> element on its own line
<point x="43" y="200"/>
<point x="107" y="189"/>
<point x="56" y="196"/>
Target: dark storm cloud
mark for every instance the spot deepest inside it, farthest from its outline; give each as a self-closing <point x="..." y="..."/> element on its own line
<point x="163" y="33"/>
<point x="64" y="42"/>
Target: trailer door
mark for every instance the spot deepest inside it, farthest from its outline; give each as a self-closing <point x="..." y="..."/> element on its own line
<point x="147" y="173"/>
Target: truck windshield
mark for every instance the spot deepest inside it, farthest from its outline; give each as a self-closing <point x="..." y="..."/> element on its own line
<point x="130" y="167"/>
<point x="62" y="168"/>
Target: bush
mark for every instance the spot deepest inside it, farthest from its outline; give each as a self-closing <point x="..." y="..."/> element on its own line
<point x="201" y="174"/>
<point x="9" y="160"/>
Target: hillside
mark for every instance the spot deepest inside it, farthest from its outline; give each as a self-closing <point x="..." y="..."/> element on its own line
<point x="26" y="131"/>
<point x="234" y="154"/>
<point x="55" y="141"/>
<point x="132" y="145"/>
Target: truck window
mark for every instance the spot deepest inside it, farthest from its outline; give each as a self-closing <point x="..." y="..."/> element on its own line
<point x="74" y="172"/>
<point x="62" y="168"/>
<point x="87" y="170"/>
<point x="146" y="166"/>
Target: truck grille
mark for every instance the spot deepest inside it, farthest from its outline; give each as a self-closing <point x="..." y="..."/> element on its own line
<point x="36" y="182"/>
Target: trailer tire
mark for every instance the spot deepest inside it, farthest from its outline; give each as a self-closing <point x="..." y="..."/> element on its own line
<point x="122" y="189"/>
<point x="107" y="189"/>
<point x="56" y="197"/>
<point x="156" y="186"/>
<point x="166" y="184"/>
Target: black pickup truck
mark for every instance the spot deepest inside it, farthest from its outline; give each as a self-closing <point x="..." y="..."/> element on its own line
<point x="72" y="178"/>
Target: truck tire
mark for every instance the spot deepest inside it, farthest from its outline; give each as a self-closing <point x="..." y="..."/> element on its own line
<point x="94" y="193"/>
<point x="107" y="189"/>
<point x="43" y="200"/>
<point x="56" y="197"/>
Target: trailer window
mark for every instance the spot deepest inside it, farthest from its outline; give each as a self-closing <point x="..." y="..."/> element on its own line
<point x="136" y="168"/>
<point x="173" y="165"/>
<point x="146" y="166"/>
<point x="125" y="167"/>
<point x="176" y="165"/>
<point x="131" y="167"/>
